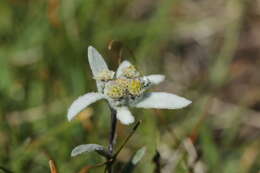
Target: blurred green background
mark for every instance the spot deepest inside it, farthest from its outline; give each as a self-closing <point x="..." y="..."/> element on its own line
<point x="208" y="50"/>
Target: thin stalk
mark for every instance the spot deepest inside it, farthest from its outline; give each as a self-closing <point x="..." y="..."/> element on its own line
<point x="112" y="139"/>
<point x="112" y="131"/>
<point x="128" y="137"/>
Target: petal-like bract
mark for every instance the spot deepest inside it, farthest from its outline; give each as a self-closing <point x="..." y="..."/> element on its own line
<point x="162" y="100"/>
<point x="96" y="61"/>
<point x="155" y="79"/>
<point x="124" y="115"/>
<point x="82" y="102"/>
<point x="122" y="66"/>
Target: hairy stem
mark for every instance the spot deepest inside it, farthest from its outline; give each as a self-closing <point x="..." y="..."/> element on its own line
<point x="112" y="131"/>
<point x="112" y="139"/>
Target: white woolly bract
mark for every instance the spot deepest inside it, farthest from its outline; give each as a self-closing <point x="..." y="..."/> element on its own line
<point x="155" y="79"/>
<point x="124" y="115"/>
<point x="96" y="61"/>
<point x="162" y="100"/>
<point x="122" y="66"/>
<point x="82" y="102"/>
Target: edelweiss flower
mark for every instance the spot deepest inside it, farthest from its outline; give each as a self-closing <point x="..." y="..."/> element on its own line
<point x="123" y="89"/>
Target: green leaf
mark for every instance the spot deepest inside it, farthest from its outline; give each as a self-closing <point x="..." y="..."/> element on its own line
<point x="138" y="155"/>
<point x="86" y="148"/>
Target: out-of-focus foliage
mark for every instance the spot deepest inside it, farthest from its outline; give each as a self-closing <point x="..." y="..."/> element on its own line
<point x="208" y="50"/>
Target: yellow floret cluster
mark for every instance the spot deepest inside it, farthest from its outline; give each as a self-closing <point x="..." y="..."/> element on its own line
<point x="105" y="75"/>
<point x="122" y="82"/>
<point x="131" y="72"/>
<point x="135" y="87"/>
<point x="115" y="91"/>
<point x="123" y="87"/>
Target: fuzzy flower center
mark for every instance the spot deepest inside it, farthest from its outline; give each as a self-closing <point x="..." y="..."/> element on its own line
<point x="135" y="87"/>
<point x="105" y="75"/>
<point x="116" y="88"/>
<point x="115" y="91"/>
<point x="121" y="87"/>
<point x="131" y="72"/>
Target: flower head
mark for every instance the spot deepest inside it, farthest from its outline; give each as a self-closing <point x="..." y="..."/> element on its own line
<point x="105" y="75"/>
<point x="116" y="89"/>
<point x="135" y="87"/>
<point x="124" y="88"/>
<point x="130" y="72"/>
